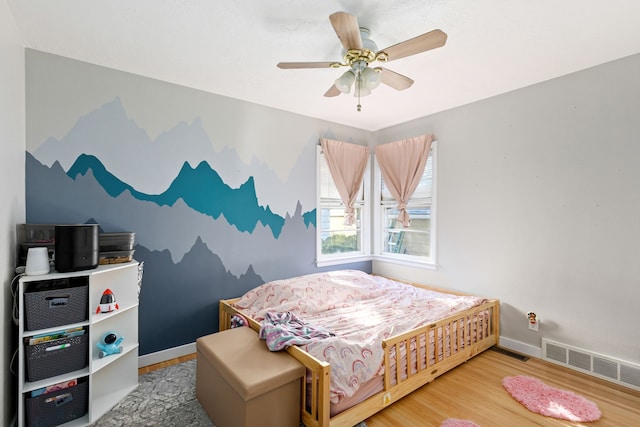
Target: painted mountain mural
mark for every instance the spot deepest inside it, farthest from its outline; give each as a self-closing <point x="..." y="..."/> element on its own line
<point x="204" y="222"/>
<point x="202" y="189"/>
<point x="150" y="165"/>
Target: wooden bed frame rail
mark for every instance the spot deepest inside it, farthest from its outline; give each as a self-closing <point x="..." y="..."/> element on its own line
<point x="451" y="341"/>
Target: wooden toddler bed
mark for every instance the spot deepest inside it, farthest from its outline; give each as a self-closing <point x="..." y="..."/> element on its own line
<point x="387" y="339"/>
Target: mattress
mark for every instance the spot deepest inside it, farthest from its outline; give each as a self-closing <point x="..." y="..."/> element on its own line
<point x="360" y="311"/>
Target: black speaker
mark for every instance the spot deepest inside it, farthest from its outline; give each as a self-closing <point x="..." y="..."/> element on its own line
<point x="77" y="247"/>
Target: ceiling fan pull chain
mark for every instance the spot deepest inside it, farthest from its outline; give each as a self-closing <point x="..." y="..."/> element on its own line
<point x="359" y="83"/>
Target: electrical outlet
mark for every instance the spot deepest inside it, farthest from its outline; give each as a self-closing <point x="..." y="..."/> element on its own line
<point x="533" y="321"/>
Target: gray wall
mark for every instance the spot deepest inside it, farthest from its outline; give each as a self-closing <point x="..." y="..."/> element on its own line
<point x="538" y="205"/>
<point x="12" y="209"/>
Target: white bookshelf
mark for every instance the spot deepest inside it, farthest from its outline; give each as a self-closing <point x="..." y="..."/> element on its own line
<point x="111" y="378"/>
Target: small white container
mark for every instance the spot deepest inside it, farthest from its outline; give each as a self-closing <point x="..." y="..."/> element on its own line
<point x="37" y="262"/>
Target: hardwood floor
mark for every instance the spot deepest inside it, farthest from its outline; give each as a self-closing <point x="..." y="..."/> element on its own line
<point x="473" y="391"/>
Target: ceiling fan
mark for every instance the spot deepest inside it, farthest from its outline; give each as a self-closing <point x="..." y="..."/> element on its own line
<point x="359" y="51"/>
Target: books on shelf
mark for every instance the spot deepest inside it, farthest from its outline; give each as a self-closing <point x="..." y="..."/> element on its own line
<point x="54" y="387"/>
<point x="52" y="336"/>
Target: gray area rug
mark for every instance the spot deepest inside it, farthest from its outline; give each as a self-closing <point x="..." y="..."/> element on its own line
<point x="166" y="397"/>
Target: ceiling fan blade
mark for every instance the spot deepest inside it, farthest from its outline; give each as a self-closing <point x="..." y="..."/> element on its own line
<point x="333" y="91"/>
<point x="292" y="65"/>
<point x="427" y="41"/>
<point x="395" y="80"/>
<point x="347" y="29"/>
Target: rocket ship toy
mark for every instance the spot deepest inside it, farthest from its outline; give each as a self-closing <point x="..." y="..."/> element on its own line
<point x="107" y="302"/>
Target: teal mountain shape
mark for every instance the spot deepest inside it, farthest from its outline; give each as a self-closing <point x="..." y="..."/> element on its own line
<point x="201" y="188"/>
<point x="309" y="218"/>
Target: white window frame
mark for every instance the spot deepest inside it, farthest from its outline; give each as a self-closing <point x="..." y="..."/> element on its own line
<point x="379" y="223"/>
<point x="365" y="221"/>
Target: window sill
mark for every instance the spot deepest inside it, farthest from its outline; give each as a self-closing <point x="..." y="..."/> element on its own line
<point x="327" y="262"/>
<point x="416" y="263"/>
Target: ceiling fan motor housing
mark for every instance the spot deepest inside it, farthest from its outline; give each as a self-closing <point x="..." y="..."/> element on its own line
<point x="368" y="54"/>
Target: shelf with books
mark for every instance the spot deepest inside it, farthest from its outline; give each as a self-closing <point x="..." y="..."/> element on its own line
<point x="34" y="385"/>
<point x="62" y="361"/>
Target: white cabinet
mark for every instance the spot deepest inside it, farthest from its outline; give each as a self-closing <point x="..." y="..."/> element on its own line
<point x="107" y="380"/>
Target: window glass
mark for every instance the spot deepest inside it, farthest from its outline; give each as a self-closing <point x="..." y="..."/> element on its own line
<point x="336" y="236"/>
<point x="414" y="240"/>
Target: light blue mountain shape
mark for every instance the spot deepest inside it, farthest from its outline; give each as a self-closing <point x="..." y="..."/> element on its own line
<point x="201" y="188"/>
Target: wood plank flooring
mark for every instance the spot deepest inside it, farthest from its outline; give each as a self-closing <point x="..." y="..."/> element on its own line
<point x="473" y="391"/>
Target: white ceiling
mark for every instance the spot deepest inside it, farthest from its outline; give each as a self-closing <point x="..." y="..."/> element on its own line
<point x="231" y="47"/>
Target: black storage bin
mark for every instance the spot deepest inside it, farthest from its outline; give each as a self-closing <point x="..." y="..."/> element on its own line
<point x="58" y="407"/>
<point x="57" y="302"/>
<point x="56" y="357"/>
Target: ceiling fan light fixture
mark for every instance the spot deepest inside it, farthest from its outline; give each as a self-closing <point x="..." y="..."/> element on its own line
<point x="344" y="82"/>
<point x="372" y="78"/>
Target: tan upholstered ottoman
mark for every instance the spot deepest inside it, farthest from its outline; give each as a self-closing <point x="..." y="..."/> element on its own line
<point x="240" y="383"/>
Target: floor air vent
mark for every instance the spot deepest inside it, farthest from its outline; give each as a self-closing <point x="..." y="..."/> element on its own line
<point x="510" y="353"/>
<point x="618" y="371"/>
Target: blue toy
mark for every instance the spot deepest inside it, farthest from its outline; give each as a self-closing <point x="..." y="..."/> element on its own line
<point x="110" y="344"/>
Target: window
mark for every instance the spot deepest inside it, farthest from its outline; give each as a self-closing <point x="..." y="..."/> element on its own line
<point x="337" y="242"/>
<point x="413" y="244"/>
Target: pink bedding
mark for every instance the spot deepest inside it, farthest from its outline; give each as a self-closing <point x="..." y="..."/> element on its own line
<point x="360" y="309"/>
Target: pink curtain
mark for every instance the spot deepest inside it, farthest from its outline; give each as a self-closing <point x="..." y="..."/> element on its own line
<point x="402" y="165"/>
<point x="347" y="163"/>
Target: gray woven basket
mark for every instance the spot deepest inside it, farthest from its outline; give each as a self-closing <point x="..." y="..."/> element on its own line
<point x="57" y="407"/>
<point x="64" y="355"/>
<point x="51" y="308"/>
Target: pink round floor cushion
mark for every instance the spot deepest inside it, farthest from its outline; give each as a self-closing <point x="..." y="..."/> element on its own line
<point x="542" y="399"/>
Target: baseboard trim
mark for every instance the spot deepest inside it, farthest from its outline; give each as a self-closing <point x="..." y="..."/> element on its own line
<point x="520" y="347"/>
<point x="164" y="355"/>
